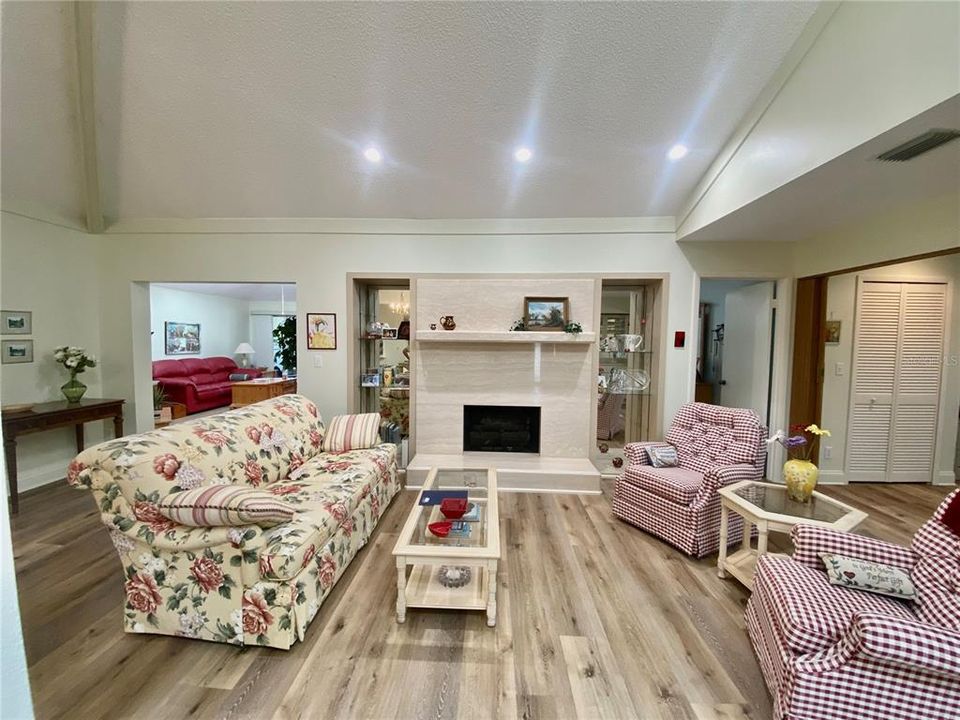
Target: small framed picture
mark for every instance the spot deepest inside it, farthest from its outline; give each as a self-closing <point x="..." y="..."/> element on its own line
<point x="17" y="351"/>
<point x="546" y="313"/>
<point x="321" y="331"/>
<point x="370" y="380"/>
<point x="16" y="322"/>
<point x="832" y="328"/>
<point x="389" y="334"/>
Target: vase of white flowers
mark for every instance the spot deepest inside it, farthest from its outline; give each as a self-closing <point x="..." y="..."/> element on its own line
<point x="75" y="360"/>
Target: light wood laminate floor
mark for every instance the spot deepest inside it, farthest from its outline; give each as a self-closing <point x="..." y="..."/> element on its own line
<point x="596" y="619"/>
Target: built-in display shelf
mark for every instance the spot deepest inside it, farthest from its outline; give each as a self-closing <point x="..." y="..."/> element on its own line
<point x="503" y="336"/>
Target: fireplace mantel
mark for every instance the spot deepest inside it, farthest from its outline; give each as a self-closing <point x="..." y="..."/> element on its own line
<point x="483" y="363"/>
<point x="500" y="336"/>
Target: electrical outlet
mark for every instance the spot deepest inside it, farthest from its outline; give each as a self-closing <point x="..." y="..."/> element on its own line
<point x="827" y="452"/>
<point x="318" y="361"/>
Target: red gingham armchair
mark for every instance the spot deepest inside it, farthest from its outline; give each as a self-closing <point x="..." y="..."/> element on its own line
<point x="716" y="446"/>
<point x="831" y="653"/>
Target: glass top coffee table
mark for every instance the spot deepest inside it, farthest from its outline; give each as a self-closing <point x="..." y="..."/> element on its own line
<point x="767" y="506"/>
<point x="458" y="571"/>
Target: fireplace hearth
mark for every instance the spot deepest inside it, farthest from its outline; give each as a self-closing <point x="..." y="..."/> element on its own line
<point x="501" y="428"/>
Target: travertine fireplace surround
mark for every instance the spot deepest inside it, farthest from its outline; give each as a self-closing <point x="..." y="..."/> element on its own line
<point x="480" y="363"/>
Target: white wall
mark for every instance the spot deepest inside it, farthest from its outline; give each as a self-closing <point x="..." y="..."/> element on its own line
<point x="224" y="321"/>
<point x="323" y="260"/>
<point x="55" y="273"/>
<point x="841" y="301"/>
<point x="873" y="66"/>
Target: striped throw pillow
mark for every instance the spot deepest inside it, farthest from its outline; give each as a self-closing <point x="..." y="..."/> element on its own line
<point x="352" y="432"/>
<point x="224" y="506"/>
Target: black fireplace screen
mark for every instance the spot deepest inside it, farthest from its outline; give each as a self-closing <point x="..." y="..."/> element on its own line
<point x="501" y="428"/>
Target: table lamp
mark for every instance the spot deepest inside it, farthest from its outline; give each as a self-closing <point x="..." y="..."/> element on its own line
<point x="244" y="350"/>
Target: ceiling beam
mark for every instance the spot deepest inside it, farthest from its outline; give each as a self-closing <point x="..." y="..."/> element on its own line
<point x="86" y="114"/>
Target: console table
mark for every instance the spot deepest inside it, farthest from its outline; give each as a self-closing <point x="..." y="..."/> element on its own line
<point x="49" y="416"/>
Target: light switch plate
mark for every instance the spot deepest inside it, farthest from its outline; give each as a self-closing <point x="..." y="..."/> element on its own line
<point x="838" y="369"/>
<point x="318" y="361"/>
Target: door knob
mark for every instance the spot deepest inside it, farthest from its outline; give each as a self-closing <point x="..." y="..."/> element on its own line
<point x="723" y="382"/>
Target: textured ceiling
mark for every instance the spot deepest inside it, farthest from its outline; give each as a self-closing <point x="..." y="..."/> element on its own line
<point x="40" y="161"/>
<point x="262" y="109"/>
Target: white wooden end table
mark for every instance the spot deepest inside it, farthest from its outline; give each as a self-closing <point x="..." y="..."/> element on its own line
<point x="767" y="506"/>
<point x="423" y="554"/>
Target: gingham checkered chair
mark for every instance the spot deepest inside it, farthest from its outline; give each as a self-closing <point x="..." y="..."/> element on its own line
<point x="830" y="653"/>
<point x="716" y="446"/>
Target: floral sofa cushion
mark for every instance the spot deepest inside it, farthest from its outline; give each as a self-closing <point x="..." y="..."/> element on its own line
<point x="256" y="445"/>
<point x="327" y="491"/>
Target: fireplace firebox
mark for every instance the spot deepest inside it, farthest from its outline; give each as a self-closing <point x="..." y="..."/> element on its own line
<point x="501" y="428"/>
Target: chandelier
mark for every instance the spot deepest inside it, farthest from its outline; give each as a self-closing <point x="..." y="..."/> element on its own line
<point x="402" y="307"/>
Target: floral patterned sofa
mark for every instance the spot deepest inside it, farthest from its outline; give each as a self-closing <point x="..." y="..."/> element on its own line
<point x="241" y="585"/>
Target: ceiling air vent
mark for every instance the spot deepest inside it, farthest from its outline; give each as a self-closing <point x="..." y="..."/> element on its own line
<point x="919" y="145"/>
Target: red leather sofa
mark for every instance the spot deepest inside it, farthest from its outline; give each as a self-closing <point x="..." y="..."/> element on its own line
<point x="199" y="383"/>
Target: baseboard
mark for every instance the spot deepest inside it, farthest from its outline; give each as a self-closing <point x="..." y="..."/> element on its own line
<point x="833" y="477"/>
<point x="945" y="477"/>
<point x="40" y="476"/>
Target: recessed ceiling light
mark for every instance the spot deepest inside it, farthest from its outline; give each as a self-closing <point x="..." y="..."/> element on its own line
<point x="522" y="154"/>
<point x="373" y="154"/>
<point x="678" y="151"/>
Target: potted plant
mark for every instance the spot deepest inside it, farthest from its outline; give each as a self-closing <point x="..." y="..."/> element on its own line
<point x="285" y="335"/>
<point x="159" y="396"/>
<point x="799" y="472"/>
<point x="75" y="360"/>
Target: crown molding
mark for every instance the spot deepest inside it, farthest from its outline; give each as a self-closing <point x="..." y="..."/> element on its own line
<point x="388" y="226"/>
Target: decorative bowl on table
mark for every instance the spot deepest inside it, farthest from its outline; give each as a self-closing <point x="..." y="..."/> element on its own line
<point x="440" y="529"/>
<point x="453" y="508"/>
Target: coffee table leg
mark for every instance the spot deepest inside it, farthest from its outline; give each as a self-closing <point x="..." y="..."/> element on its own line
<point x="492" y="594"/>
<point x="401" y="589"/>
<point x="724" y="528"/>
<point x="761" y="538"/>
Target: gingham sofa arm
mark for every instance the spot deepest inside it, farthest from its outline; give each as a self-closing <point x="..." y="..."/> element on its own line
<point x="718" y="477"/>
<point x="636" y="452"/>
<point x="892" y="641"/>
<point x="809" y="541"/>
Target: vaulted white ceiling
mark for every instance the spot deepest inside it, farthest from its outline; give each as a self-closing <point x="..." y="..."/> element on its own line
<point x="236" y="109"/>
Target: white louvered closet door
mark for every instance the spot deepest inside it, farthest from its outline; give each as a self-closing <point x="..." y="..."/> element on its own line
<point x="895" y="384"/>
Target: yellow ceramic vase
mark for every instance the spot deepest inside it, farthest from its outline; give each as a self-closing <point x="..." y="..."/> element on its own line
<point x="801" y="479"/>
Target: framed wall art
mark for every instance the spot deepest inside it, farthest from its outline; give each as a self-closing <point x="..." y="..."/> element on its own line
<point x="321" y="331"/>
<point x="16" y="351"/>
<point x="181" y="338"/>
<point x="16" y="322"/>
<point x="546" y="313"/>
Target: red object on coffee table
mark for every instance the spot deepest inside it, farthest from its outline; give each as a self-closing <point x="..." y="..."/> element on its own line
<point x="440" y="529"/>
<point x="453" y="508"/>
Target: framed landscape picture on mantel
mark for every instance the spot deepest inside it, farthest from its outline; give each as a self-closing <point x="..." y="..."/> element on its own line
<point x="181" y="338"/>
<point x="546" y="313"/>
